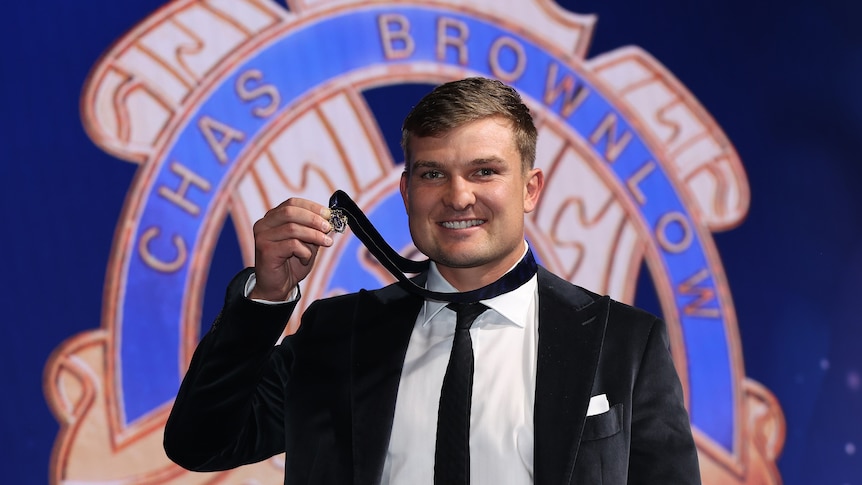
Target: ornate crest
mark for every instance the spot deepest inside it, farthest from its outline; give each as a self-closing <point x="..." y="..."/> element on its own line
<point x="228" y="110"/>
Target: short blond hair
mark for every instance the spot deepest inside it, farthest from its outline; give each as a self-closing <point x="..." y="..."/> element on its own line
<point x="456" y="103"/>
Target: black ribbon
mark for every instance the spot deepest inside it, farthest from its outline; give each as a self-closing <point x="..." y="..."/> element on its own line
<point x="344" y="208"/>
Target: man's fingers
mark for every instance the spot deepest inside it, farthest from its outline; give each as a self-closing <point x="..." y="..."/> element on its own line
<point x="306" y="204"/>
<point x="306" y="256"/>
<point x="299" y="211"/>
<point x="277" y="252"/>
<point x="294" y="230"/>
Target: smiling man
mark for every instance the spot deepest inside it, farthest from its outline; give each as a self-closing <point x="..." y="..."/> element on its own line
<point x="538" y="381"/>
<point x="466" y="192"/>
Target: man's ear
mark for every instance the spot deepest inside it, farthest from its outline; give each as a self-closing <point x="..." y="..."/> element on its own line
<point x="535" y="182"/>
<point x="403" y="187"/>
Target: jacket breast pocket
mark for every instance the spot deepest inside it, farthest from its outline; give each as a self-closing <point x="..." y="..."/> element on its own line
<point x="604" y="424"/>
<point x="603" y="453"/>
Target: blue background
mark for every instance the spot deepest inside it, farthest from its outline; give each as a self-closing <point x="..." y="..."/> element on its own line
<point x="782" y="79"/>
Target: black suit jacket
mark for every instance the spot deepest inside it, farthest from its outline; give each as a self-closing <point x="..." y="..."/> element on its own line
<point x="326" y="395"/>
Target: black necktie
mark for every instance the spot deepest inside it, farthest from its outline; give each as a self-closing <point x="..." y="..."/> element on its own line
<point x="452" y="454"/>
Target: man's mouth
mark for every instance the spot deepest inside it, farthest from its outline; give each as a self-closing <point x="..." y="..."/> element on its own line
<point x="462" y="224"/>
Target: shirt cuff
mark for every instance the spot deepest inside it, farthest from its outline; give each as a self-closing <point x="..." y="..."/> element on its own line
<point x="252" y="280"/>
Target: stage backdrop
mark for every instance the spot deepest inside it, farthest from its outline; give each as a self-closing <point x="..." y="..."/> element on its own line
<point x="700" y="163"/>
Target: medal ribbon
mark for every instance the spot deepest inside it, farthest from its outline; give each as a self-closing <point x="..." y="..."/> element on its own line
<point x="345" y="213"/>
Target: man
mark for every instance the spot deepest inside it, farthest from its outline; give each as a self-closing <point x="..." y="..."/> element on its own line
<point x="567" y="386"/>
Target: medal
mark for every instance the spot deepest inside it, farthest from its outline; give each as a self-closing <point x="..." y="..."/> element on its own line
<point x="338" y="220"/>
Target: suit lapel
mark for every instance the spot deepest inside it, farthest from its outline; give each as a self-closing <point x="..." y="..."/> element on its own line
<point x="571" y="330"/>
<point x="379" y="346"/>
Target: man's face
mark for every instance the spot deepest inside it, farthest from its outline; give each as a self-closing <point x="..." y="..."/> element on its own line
<point x="466" y="194"/>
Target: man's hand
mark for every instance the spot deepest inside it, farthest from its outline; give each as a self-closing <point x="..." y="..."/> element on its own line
<point x="286" y="242"/>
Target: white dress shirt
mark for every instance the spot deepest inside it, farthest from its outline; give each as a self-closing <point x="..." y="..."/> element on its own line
<point x="505" y="342"/>
<point x="501" y="423"/>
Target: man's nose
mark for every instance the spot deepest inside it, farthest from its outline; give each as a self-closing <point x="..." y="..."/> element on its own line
<point x="459" y="194"/>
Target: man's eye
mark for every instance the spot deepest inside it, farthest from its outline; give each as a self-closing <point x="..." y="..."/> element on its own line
<point x="484" y="172"/>
<point x="432" y="174"/>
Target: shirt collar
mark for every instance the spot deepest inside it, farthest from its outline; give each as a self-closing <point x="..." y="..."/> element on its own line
<point x="513" y="306"/>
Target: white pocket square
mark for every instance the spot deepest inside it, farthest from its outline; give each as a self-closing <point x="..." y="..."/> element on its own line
<point x="598" y="405"/>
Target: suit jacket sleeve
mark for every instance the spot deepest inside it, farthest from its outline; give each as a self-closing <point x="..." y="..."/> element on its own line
<point x="229" y="408"/>
<point x="662" y="447"/>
